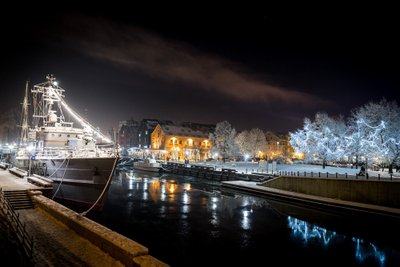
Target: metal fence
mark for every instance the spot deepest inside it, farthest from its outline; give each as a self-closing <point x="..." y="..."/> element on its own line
<point x="335" y="175"/>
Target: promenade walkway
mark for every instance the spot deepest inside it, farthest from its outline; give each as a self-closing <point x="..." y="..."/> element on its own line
<point x="11" y="182"/>
<point x="64" y="238"/>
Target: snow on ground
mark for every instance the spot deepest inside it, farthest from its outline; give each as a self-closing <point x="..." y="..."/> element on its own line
<point x="249" y="167"/>
<point x="57" y="245"/>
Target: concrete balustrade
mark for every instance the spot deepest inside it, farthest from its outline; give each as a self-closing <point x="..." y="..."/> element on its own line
<point x="127" y="251"/>
<point x="383" y="193"/>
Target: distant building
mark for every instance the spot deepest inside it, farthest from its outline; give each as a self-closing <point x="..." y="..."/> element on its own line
<point x="182" y="141"/>
<point x="128" y="133"/>
<point x="278" y="145"/>
<point x="146" y="128"/>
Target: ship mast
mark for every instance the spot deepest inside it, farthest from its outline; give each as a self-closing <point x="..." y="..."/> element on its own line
<point x="52" y="96"/>
<point x="24" y="125"/>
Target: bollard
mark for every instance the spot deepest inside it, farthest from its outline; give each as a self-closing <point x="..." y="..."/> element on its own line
<point x="305" y="174"/>
<point x="327" y="175"/>
<point x="311" y="174"/>
<point x="336" y="175"/>
<point x="379" y="176"/>
<point x="298" y="173"/>
<point x="319" y="174"/>
<point x="346" y="175"/>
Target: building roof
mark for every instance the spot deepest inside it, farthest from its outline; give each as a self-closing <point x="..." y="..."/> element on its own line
<point x="188" y="129"/>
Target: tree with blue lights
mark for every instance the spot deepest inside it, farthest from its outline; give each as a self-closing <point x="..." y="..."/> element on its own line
<point x="321" y="139"/>
<point x="372" y="132"/>
<point x="379" y="124"/>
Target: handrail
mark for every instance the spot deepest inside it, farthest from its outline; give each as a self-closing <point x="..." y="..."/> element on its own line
<point x="19" y="229"/>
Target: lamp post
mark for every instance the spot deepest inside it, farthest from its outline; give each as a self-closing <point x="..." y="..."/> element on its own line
<point x="30" y="150"/>
<point x="277" y="148"/>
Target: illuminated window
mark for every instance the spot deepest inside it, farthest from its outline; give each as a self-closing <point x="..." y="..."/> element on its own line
<point x="189" y="142"/>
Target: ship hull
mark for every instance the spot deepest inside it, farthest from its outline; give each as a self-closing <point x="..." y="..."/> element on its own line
<point x="78" y="181"/>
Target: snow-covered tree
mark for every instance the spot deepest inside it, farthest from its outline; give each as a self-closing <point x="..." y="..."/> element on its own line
<point x="241" y="142"/>
<point x="355" y="140"/>
<point x="251" y="142"/>
<point x="223" y="140"/>
<point x="302" y="140"/>
<point x="257" y="142"/>
<point x="321" y="139"/>
<point x="379" y="123"/>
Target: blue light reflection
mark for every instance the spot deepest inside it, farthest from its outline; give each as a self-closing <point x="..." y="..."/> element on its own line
<point x="307" y="231"/>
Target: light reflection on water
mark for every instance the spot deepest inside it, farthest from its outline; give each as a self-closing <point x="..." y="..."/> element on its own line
<point x="310" y="232"/>
<point x="181" y="219"/>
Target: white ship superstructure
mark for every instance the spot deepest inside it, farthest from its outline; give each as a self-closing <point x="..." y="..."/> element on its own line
<point x="79" y="160"/>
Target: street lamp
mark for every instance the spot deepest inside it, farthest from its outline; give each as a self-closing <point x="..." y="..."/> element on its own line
<point x="30" y="149"/>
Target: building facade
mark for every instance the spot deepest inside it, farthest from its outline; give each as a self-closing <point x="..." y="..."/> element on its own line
<point x="278" y="146"/>
<point x="128" y="134"/>
<point x="182" y="141"/>
<point x="146" y="127"/>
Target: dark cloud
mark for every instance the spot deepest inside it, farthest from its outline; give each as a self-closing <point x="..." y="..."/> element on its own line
<point x="136" y="49"/>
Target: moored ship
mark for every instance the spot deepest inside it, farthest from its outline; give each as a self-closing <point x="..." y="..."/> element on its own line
<point x="80" y="161"/>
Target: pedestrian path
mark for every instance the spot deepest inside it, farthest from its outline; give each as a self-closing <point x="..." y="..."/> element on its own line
<point x="62" y="237"/>
<point x="10" y="182"/>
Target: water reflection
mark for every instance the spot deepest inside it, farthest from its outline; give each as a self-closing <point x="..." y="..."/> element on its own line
<point x="306" y="231"/>
<point x="181" y="219"/>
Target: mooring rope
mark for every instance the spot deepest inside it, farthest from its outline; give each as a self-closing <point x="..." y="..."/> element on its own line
<point x="59" y="166"/>
<point x="62" y="178"/>
<point x="104" y="189"/>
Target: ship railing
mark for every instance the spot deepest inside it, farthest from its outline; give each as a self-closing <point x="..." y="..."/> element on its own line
<point x="53" y="153"/>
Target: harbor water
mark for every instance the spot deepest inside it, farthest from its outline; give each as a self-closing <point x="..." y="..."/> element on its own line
<point x="186" y="221"/>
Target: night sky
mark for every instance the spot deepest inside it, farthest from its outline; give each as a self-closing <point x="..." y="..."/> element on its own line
<point x="263" y="68"/>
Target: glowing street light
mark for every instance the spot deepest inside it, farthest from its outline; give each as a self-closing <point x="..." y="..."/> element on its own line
<point x="30" y="149"/>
